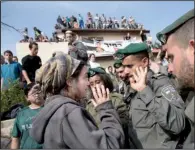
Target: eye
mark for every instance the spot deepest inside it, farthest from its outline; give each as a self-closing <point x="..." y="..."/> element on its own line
<point x="97" y="82"/>
<point x="170" y="58"/>
<point x="129" y="66"/>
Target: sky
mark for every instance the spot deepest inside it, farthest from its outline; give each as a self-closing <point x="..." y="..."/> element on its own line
<point x="155" y="15"/>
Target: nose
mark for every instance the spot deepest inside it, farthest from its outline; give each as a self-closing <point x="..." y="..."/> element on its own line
<point x="170" y="68"/>
<point x="126" y="71"/>
<point x="87" y="82"/>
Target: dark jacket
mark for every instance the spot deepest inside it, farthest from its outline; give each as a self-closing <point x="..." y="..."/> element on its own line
<point x="63" y="124"/>
<point x="158" y="113"/>
<point x="81" y="51"/>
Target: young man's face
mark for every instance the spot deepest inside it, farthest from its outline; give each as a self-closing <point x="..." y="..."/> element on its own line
<point x="34" y="50"/>
<point x="8" y="57"/>
<point x="121" y="73"/>
<point x="131" y="63"/>
<point x="181" y="61"/>
<point x="69" y="38"/>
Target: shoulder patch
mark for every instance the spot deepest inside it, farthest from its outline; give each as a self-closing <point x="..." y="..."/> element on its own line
<point x="169" y="93"/>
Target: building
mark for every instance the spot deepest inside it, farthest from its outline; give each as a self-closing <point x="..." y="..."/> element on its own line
<point x="108" y="39"/>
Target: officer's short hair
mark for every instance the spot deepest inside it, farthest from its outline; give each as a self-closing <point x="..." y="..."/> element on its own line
<point x="141" y="55"/>
<point x="185" y="33"/>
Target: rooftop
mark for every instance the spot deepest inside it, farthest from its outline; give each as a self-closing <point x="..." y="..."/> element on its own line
<point x="105" y="30"/>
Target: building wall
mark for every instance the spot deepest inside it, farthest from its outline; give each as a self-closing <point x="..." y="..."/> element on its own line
<point x="105" y="61"/>
<point x="45" y="49"/>
<point x="110" y="36"/>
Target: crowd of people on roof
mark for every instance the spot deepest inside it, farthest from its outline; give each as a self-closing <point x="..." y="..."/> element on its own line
<point x="96" y="22"/>
<point x="92" y="22"/>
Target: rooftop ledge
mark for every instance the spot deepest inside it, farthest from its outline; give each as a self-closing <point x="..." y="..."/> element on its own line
<point x="105" y="30"/>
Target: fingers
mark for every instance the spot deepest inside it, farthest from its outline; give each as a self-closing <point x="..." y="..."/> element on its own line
<point x="107" y="93"/>
<point x="138" y="71"/>
<point x="99" y="92"/>
<point x="146" y="70"/>
<point x="94" y="93"/>
<point x="103" y="91"/>
<point x="135" y="76"/>
<point x="94" y="102"/>
<point x="132" y="81"/>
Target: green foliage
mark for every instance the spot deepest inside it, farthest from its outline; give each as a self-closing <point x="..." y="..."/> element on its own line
<point x="14" y="95"/>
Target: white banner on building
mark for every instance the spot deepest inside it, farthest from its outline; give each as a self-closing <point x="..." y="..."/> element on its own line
<point x="106" y="48"/>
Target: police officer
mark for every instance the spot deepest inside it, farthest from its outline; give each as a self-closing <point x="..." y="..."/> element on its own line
<point x="124" y="86"/>
<point x="157" y="109"/>
<point x="178" y="40"/>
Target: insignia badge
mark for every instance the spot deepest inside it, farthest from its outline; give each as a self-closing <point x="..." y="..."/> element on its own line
<point x="169" y="93"/>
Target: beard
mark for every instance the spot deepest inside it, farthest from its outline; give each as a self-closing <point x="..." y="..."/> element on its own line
<point x="186" y="75"/>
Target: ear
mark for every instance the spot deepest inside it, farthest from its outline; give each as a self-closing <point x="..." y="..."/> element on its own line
<point x="69" y="82"/>
<point x="145" y="61"/>
<point x="190" y="52"/>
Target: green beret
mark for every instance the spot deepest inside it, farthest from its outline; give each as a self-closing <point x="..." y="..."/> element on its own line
<point x="93" y="71"/>
<point x="162" y="36"/>
<point x="131" y="49"/>
<point x="117" y="63"/>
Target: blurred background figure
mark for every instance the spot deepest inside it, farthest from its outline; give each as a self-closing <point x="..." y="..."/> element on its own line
<point x="15" y="59"/>
<point x="92" y="62"/>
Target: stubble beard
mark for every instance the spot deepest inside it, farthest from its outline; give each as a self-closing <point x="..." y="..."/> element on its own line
<point x="186" y="75"/>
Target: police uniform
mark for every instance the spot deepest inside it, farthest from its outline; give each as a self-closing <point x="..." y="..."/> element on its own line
<point x="162" y="37"/>
<point x="157" y="111"/>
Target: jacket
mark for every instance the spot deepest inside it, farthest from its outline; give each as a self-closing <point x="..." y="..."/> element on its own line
<point x="64" y="124"/>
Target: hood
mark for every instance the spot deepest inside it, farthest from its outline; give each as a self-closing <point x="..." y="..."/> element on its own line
<point x="41" y="120"/>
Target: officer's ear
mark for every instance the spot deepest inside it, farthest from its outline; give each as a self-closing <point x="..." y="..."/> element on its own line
<point x="145" y="62"/>
<point x="190" y="52"/>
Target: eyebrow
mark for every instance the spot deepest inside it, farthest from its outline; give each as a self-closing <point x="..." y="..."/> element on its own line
<point x="128" y="65"/>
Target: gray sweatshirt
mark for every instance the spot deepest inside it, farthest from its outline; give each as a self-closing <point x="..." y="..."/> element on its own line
<point x="64" y="124"/>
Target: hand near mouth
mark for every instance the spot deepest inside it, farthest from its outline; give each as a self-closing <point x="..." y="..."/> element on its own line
<point x="138" y="81"/>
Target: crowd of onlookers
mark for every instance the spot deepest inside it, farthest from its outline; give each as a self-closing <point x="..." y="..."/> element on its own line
<point x="96" y="22"/>
<point x="73" y="22"/>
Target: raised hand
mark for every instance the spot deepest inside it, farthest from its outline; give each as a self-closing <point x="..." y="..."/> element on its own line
<point x="100" y="95"/>
<point x="138" y="81"/>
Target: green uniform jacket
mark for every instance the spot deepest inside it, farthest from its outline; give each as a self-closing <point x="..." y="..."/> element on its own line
<point x="121" y="108"/>
<point x="158" y="113"/>
<point x="189" y="142"/>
